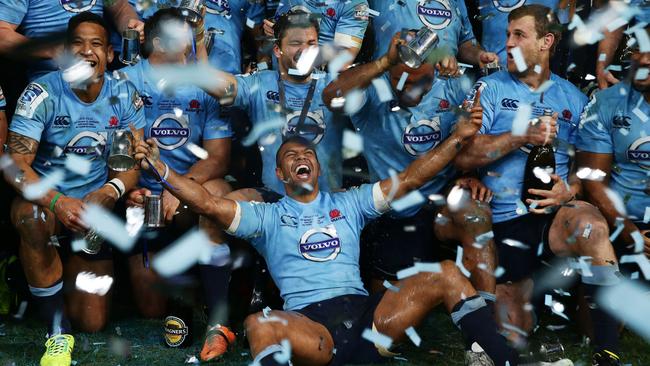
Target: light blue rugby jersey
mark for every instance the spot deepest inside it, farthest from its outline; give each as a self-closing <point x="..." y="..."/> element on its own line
<point x="258" y="94"/>
<point x="501" y="96"/>
<point x="39" y="18"/>
<point x="494" y="15"/>
<point x="49" y="112"/>
<point x="342" y="18"/>
<point x="189" y="116"/>
<point x="312" y="249"/>
<point x="448" y="18"/>
<point x="393" y="140"/>
<point x="615" y="122"/>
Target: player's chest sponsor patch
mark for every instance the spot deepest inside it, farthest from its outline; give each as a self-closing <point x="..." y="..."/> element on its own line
<point x="435" y="14"/>
<point x="506" y="6"/>
<point x="312" y="128"/>
<point x="320" y="244"/>
<point x="88" y="143"/>
<point x="639" y="152"/>
<point x="422" y="135"/>
<point x="77" y="6"/>
<point x="170" y="130"/>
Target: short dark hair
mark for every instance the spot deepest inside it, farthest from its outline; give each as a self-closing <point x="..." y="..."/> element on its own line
<point x="545" y="21"/>
<point x="85" y="17"/>
<point x="153" y="26"/>
<point x="294" y="19"/>
<point x="294" y="139"/>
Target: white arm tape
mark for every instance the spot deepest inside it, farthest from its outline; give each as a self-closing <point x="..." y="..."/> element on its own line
<point x="381" y="204"/>
<point x="346" y="41"/>
<point x="234" y="225"/>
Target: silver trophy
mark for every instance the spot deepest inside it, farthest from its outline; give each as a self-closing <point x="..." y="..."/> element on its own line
<point x="191" y="10"/>
<point x="130" y="47"/>
<point x="490" y="68"/>
<point x="120" y="157"/>
<point x="416" y="51"/>
<point x="93" y="243"/>
<point x="153" y="211"/>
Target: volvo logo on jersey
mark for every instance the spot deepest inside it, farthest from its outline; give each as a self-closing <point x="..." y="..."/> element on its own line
<point x="87" y="143"/>
<point x="220" y="7"/>
<point x="506" y="6"/>
<point x="639" y="152"/>
<point x="313" y="128"/>
<point x="78" y="6"/>
<point x="320" y="244"/>
<point x="422" y="136"/>
<point x="170" y="131"/>
<point x="435" y="14"/>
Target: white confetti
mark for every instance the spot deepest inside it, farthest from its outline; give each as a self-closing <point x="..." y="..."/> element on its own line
<point x="183" y="253"/>
<point x="413" y="198"/>
<point x="544" y="87"/>
<point x="641" y="73"/>
<point x="642" y="38"/>
<point x="108" y="226"/>
<point x="305" y="63"/>
<point x="617" y="230"/>
<point x="543" y="174"/>
<point x="639" y="113"/>
<point x="413" y="336"/>
<point x="484" y="238"/>
<point x="520" y="62"/>
<point x="273" y="319"/>
<point x="457" y="198"/>
<point x="384" y="92"/>
<point x="646" y="215"/>
<point x="390" y="286"/>
<point x="459" y="262"/>
<point x="628" y="302"/>
<point x="38" y="189"/>
<point x="77" y="164"/>
<point x="250" y="23"/>
<point x="402" y="81"/>
<point x="521" y="208"/>
<point x="284" y="356"/>
<point x="377" y="338"/>
<point x="616" y="200"/>
<point x="406" y="272"/>
<point x="89" y="282"/>
<point x="353" y="101"/>
<point x="178" y="112"/>
<point x="522" y="120"/>
<point x="263" y="129"/>
<point x="641" y="260"/>
<point x="197" y="151"/>
<point x="537" y="69"/>
<point x="342" y="59"/>
<point x="499" y="272"/>
<point x="428" y="267"/>
<point x="515" y="244"/>
<point x="352" y="144"/>
<point x="638" y="241"/>
<point x="591" y="174"/>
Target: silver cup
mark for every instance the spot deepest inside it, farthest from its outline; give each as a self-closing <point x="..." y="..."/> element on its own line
<point x="490" y="68"/>
<point x="130" y="47"/>
<point x="153" y="211"/>
<point x="191" y="10"/>
<point x="120" y="157"/>
<point x="93" y="242"/>
<point x="416" y="51"/>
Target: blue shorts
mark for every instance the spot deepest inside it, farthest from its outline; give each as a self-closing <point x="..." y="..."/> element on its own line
<point x="346" y="317"/>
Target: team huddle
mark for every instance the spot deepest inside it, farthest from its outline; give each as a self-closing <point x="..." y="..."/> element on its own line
<point x="513" y="165"/>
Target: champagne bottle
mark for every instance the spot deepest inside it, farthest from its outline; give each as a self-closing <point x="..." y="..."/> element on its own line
<point x="541" y="158"/>
<point x="178" y="326"/>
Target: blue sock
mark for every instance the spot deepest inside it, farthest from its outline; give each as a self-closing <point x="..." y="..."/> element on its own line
<point x="605" y="326"/>
<point x="215" y="278"/>
<point x="50" y="307"/>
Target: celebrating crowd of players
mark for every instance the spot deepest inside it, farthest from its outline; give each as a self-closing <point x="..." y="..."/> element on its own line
<point x="444" y="164"/>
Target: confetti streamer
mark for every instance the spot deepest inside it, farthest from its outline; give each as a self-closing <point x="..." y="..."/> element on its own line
<point x="406" y="272"/>
<point x="413" y="198"/>
<point x="641" y="73"/>
<point x="520" y="62"/>
<point x="334" y="66"/>
<point x="183" y="253"/>
<point x="428" y="267"/>
<point x="197" y="151"/>
<point x="615" y="198"/>
<point x="540" y="249"/>
<point x="377" y="338"/>
<point x="77" y="164"/>
<point x="515" y="244"/>
<point x="591" y="174"/>
<point x="638" y="241"/>
<point x="250" y="23"/>
<point x="108" y="226"/>
<point x="402" y="81"/>
<point x="262" y="129"/>
<point x="485" y="237"/>
<point x="522" y="120"/>
<point x="413" y="336"/>
<point x="266" y="311"/>
<point x="642" y="38"/>
<point x="354" y="100"/>
<point x="273" y="319"/>
<point x="641" y="261"/>
<point x="384" y="92"/>
<point x="646" y="215"/>
<point x="544" y="87"/>
<point x="284" y="356"/>
<point x="499" y="272"/>
<point x="459" y="262"/>
<point x="89" y="282"/>
<point x="390" y="286"/>
<point x="352" y="144"/>
<point x="457" y="198"/>
<point x="37" y="190"/>
<point x="628" y="302"/>
<point x="639" y="113"/>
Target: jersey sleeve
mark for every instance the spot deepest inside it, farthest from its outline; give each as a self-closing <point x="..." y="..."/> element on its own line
<point x="593" y="132"/>
<point x="466" y="32"/>
<point x="132" y="111"/>
<point x="13" y="11"/>
<point x="255" y="12"/>
<point x="352" y="23"/>
<point x="31" y="116"/>
<point x="249" y="221"/>
<point x="215" y="127"/>
<point x="244" y="86"/>
<point x="367" y="201"/>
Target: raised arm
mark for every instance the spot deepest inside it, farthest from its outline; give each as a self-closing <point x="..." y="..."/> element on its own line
<point x="10" y="39"/>
<point x="125" y="17"/>
<point x="199" y="200"/>
<point x="594" y="191"/>
<point x="360" y="77"/>
<point x="427" y="166"/>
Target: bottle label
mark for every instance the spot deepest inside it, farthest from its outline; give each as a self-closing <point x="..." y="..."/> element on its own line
<point x="175" y="331"/>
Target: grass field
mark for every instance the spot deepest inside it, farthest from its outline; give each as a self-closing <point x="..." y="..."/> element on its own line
<point x="130" y="341"/>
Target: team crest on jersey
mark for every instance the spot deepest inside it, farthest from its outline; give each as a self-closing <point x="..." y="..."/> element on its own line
<point x="78" y="6"/>
<point x="336" y="215"/>
<point x="219" y="7"/>
<point x="313" y="128"/>
<point x="360" y="12"/>
<point x="320" y="244"/>
<point x="194" y="106"/>
<point x="506" y="6"/>
<point x="137" y="101"/>
<point x="32" y="97"/>
<point x="639" y="152"/>
<point x="621" y="122"/>
<point x="170" y="131"/>
<point x="422" y="136"/>
<point x="435" y="14"/>
<point x="87" y="143"/>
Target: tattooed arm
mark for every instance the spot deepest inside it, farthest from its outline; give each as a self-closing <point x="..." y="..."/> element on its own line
<point x="22" y="150"/>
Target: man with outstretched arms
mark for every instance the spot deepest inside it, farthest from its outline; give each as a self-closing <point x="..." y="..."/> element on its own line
<point x="59" y="121"/>
<point x="563" y="225"/>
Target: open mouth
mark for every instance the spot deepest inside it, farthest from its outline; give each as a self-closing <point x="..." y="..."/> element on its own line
<point x="91" y="63"/>
<point x="303" y="171"/>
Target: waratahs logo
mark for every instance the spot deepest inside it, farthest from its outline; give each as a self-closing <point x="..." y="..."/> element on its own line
<point x="78" y="6"/>
<point x="219" y="7"/>
<point x="170" y="131"/>
<point x="320" y="244"/>
<point x="313" y="128"/>
<point x="422" y="136"/>
<point x="506" y="6"/>
<point x="87" y="143"/>
<point x="639" y="152"/>
<point x="435" y="14"/>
